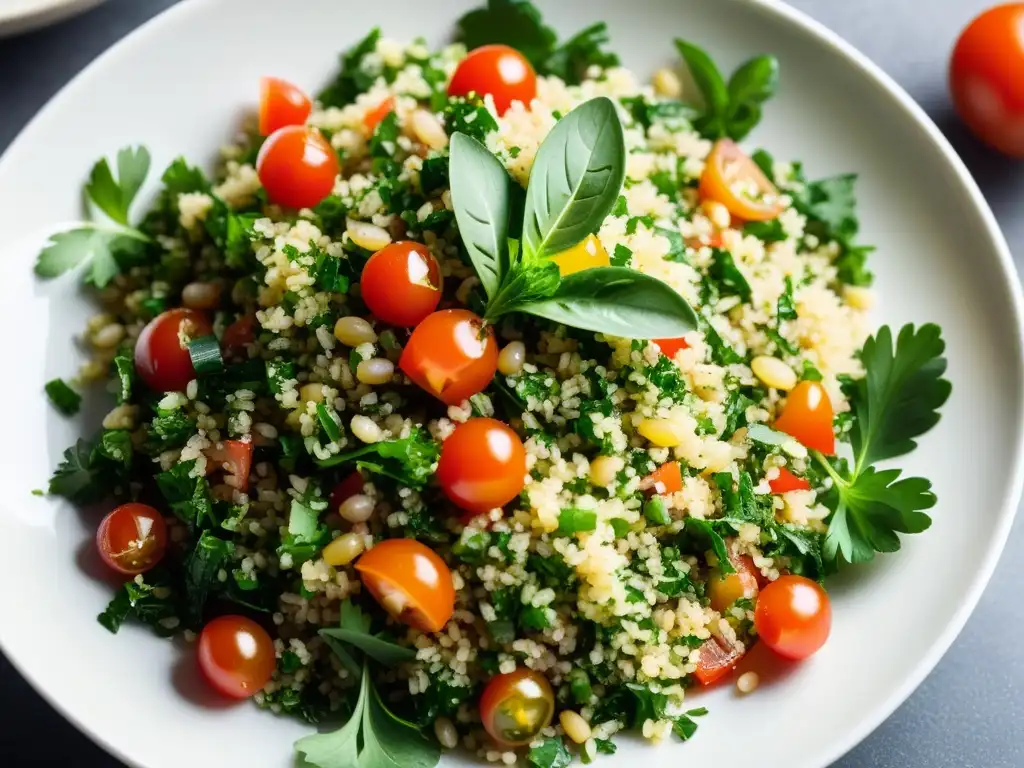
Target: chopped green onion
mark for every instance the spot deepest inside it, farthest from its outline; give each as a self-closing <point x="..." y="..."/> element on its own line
<point x="619" y="526"/>
<point x="572" y="520"/>
<point x="502" y="630"/>
<point x="534" y="618"/>
<point x="389" y="341"/>
<point x="656" y="512"/>
<point x="206" y="356"/>
<point x="63" y="397"/>
<point x="760" y="433"/>
<point x="329" y="422"/>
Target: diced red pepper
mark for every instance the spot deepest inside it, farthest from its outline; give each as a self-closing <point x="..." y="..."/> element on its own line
<point x="717" y="659"/>
<point x="665" y="479"/>
<point x="787" y="481"/>
<point x="669" y="347"/>
<point x="234" y="457"/>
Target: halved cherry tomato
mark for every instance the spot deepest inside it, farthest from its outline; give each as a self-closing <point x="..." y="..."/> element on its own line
<point x="132" y="538"/>
<point x="734" y="180"/>
<point x="669" y="347"/>
<point x="787" y="481"/>
<point x="498" y="70"/>
<point x="807" y="416"/>
<point x="236" y="655"/>
<point x="665" y="479"/>
<point x="410" y="581"/>
<point x="161" y="354"/>
<point x="451" y="354"/>
<point x="516" y="706"/>
<point x="239" y="334"/>
<point x="344" y="490"/>
<point x="482" y="465"/>
<point x="234" y="457"/>
<point x="724" y="589"/>
<point x="401" y="283"/>
<point x="717" y="659"/>
<point x="793" y="616"/>
<point x="985" y="76"/>
<point x="281" y="104"/>
<point x="373" y="116"/>
<point x="297" y="166"/>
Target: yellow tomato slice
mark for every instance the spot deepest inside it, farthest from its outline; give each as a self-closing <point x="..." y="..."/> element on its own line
<point x="585" y="255"/>
<point x="734" y="180"/>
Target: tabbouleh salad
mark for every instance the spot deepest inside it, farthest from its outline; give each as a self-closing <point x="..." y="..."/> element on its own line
<point x="490" y="399"/>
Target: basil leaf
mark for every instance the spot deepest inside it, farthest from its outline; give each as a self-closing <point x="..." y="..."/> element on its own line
<point x="618" y="301"/>
<point x="576" y="179"/>
<point x="480" y="196"/>
<point x="707" y="77"/>
<point x="754" y="81"/>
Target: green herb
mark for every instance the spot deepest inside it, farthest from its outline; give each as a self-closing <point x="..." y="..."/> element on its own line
<point x="355" y="630"/>
<point x="468" y="117"/>
<point x="621" y="256"/>
<point x="619" y="526"/>
<point x="124" y="366"/>
<point x="896" y="402"/>
<point x="63" y="397"/>
<point x="729" y="279"/>
<point x="306" y="535"/>
<point x="579" y="686"/>
<point x="705" y="530"/>
<point x="373" y="737"/>
<point x="138" y="601"/>
<point x="90" y="472"/>
<point x="101" y="245"/>
<point x="351" y="80"/>
<point x="656" y="512"/>
<point x="205" y="355"/>
<point x="188" y="497"/>
<point x="572" y="520"/>
<point x="534" y="619"/>
<point x="730" y="109"/>
<point x="409" y="460"/>
<point x="786" y="306"/>
<point x="768" y="231"/>
<point x="472" y="546"/>
<point x="328" y="422"/>
<point x="605" y="746"/>
<point x="168" y="430"/>
<point x="550" y="753"/>
<point x="279" y="372"/>
<point x="434" y="174"/>
<point x="202" y="566"/>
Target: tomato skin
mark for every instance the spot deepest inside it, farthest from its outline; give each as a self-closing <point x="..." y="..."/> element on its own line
<point x="498" y="70"/>
<point x="717" y="659"/>
<point x="235" y="458"/>
<point x="410" y="581"/>
<point x="348" y="487"/>
<point x="669" y="347"/>
<point x="808" y="416"/>
<point x="482" y="465"/>
<point x="668" y="476"/>
<point x="161" y="360"/>
<point x="297" y="166"/>
<point x="793" y="616"/>
<point x="787" y="481"/>
<point x="236" y="656"/>
<point x="401" y="283"/>
<point x="239" y="334"/>
<point x="281" y="104"/>
<point x="728" y="164"/>
<point x="373" y="116"/>
<point x="132" y="538"/>
<point x="516" y="706"/>
<point x="451" y="354"/>
<point x="986" y="81"/>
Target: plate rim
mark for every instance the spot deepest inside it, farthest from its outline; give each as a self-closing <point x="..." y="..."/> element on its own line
<point x="870" y="72"/>
<point x="47" y="12"/>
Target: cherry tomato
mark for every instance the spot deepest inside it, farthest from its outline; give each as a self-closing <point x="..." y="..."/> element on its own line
<point x="132" y="538"/>
<point x="787" y="481"/>
<point x="665" y="479"/>
<point x="482" y="465"/>
<point x="281" y="104"/>
<point x="986" y="76"/>
<point x="410" y="581"/>
<point x="724" y="589"/>
<point x="239" y="334"/>
<point x="236" y="655"/>
<point x="717" y="659"/>
<point x="451" y="354"/>
<point x="297" y="166"/>
<point x="516" y="706"/>
<point x="793" y="616"/>
<point x="373" y="116"/>
<point x="735" y="181"/>
<point x="401" y="283"/>
<point x="235" y="458"/>
<point x="669" y="347"/>
<point x="807" y="416"/>
<point x="348" y="487"/>
<point x="498" y="70"/>
<point x="161" y="359"/>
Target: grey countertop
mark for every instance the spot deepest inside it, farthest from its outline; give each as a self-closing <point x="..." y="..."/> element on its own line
<point x="970" y="710"/>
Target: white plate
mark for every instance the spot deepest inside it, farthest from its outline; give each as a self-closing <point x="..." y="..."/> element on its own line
<point x="179" y="83"/>
<point x="17" y="16"/>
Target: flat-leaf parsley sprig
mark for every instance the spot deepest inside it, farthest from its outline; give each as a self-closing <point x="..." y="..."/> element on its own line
<point x="98" y="242"/>
<point x="575" y="181"/>
<point x="896" y="401"/>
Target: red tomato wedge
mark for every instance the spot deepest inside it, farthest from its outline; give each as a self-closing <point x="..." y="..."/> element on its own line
<point x="234" y="457"/>
<point x="373" y="116"/>
<point x="410" y="581"/>
<point x="808" y="416"/>
<point x="281" y="104"/>
<point x="344" y="490"/>
<point x="787" y="481"/>
<point x="239" y="334"/>
<point x="452" y="355"/>
<point x="669" y="347"/>
<point x="665" y="479"/>
<point x="717" y="659"/>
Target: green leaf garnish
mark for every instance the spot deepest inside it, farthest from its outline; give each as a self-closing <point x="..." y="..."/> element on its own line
<point x="354" y="629"/>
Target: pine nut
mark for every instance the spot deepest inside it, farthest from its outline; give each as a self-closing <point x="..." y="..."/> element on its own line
<point x="366" y="235"/>
<point x="353" y="331"/>
<point x="357" y="508"/>
<point x="662" y="432"/>
<point x="366" y="429"/>
<point x="512" y="358"/>
<point x="773" y="372"/>
<point x="343" y="550"/>
<point x="667" y="83"/>
<point x="747" y="682"/>
<point x="859" y="297"/>
<point x="376" y="370"/>
<point x="108" y="337"/>
<point x="428" y="130"/>
<point x="603" y="469"/>
<point x="311" y="393"/>
<point x="200" y="295"/>
<point x="445" y="732"/>
<point x="575" y="727"/>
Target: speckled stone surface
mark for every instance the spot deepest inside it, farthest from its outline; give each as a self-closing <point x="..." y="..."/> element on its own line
<point x="970" y="711"/>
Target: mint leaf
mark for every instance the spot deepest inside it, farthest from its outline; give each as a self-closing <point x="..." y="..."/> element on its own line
<point x="355" y="630"/>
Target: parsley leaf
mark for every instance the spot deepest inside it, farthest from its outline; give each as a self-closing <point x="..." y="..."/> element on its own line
<point x="409" y="460"/>
<point x="114" y="197"/>
<point x="202" y="566"/>
<point x="92" y="472"/>
<point x="141" y="601"/>
<point x="550" y="753"/>
<point x="351" y="80"/>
